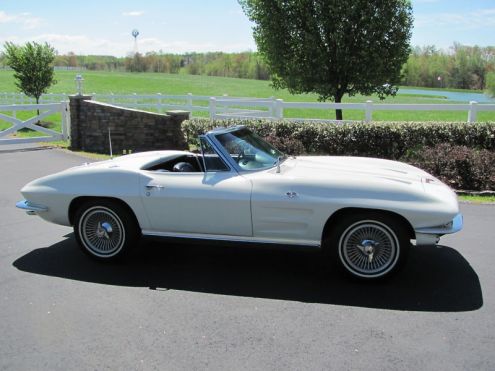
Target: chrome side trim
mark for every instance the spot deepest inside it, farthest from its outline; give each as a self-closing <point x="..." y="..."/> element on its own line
<point x="452" y="227"/>
<point x="31" y="208"/>
<point x="221" y="237"/>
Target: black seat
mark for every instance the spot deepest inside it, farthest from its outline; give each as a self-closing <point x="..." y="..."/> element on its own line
<point x="183" y="167"/>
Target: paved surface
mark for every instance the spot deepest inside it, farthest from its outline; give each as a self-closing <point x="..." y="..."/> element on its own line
<point x="194" y="307"/>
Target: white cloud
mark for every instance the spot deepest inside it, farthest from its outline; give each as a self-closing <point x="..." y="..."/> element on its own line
<point x="475" y="19"/>
<point x="85" y="45"/>
<point x="6" y="18"/>
<point x="79" y="44"/>
<point x="27" y="20"/>
<point x="135" y="13"/>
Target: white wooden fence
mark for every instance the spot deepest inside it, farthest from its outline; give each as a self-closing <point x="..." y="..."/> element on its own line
<point x="224" y="107"/>
<point x="274" y="109"/>
<point x="45" y="109"/>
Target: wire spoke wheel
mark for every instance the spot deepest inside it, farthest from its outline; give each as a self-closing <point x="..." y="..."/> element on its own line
<point x="369" y="249"/>
<point x="102" y="231"/>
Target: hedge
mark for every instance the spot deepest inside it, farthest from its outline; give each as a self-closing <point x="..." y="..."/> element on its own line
<point x="424" y="144"/>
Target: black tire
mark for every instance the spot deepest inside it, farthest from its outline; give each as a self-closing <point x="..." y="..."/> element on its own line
<point x="105" y="229"/>
<point x="369" y="245"/>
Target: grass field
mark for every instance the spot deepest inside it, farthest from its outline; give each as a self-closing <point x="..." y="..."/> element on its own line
<point x="151" y="83"/>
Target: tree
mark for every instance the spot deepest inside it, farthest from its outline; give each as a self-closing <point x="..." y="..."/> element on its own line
<point x="333" y="47"/>
<point x="33" y="67"/>
<point x="490" y="84"/>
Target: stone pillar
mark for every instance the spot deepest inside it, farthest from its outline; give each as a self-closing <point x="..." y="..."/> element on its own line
<point x="179" y="116"/>
<point x="76" y="119"/>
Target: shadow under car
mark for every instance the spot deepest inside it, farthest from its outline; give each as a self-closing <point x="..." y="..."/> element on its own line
<point x="436" y="279"/>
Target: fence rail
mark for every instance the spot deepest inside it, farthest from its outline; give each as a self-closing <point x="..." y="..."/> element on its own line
<point x="44" y="110"/>
<point x="225" y="107"/>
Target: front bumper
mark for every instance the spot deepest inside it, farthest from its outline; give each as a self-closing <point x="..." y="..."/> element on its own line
<point x="31" y="208"/>
<point x="431" y="235"/>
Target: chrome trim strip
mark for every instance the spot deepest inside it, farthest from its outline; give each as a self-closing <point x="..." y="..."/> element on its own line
<point x="30" y="207"/>
<point x="221" y="237"/>
<point x="457" y="224"/>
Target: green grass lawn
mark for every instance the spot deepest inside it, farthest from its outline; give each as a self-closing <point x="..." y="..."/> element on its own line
<point x="477" y="199"/>
<point x="151" y="83"/>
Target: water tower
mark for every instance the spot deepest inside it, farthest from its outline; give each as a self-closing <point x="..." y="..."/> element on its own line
<point x="135" y="34"/>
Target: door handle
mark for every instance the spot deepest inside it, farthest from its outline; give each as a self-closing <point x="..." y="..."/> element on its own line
<point x="154" y="186"/>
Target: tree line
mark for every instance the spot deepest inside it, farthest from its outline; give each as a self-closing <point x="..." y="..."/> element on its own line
<point x="462" y="67"/>
<point x="246" y="65"/>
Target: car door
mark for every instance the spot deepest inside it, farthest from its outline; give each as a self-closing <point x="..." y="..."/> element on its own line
<point x="210" y="203"/>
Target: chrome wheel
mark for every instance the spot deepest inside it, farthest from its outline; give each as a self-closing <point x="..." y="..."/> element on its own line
<point x="369" y="249"/>
<point x="102" y="231"/>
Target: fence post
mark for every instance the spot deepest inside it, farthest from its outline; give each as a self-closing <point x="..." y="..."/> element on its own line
<point x="65" y="121"/>
<point x="368" y="112"/>
<point x="279" y="109"/>
<point x="272" y="108"/>
<point x="135" y="100"/>
<point x="113" y="98"/>
<point x="159" y="103"/>
<point x="473" y="105"/>
<point x="190" y="102"/>
<point x="213" y="108"/>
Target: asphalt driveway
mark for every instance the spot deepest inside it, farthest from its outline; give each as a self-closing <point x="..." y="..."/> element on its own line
<point x="178" y="306"/>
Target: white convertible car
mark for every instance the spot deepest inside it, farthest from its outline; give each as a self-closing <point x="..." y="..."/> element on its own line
<point x="363" y="212"/>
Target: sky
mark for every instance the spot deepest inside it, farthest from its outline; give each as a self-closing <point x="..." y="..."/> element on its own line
<point x="104" y="27"/>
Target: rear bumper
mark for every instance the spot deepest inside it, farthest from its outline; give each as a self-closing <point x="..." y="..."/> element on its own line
<point x="431" y="235"/>
<point x="31" y="208"/>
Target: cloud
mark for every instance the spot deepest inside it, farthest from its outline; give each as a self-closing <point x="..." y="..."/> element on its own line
<point x="476" y="19"/>
<point x="82" y="44"/>
<point x="27" y="20"/>
<point x="135" y="13"/>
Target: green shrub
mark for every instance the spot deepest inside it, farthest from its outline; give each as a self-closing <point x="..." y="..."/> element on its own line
<point x="459" y="166"/>
<point x="390" y="140"/>
<point x="460" y="154"/>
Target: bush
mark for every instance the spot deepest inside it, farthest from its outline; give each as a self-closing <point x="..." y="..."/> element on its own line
<point x="459" y="166"/>
<point x="461" y="154"/>
<point x="390" y="140"/>
<point x="289" y="145"/>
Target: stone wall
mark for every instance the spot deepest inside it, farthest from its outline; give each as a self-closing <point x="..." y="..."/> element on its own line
<point x="131" y="130"/>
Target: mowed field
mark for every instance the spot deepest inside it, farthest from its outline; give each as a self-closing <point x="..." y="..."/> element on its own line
<point x="104" y="82"/>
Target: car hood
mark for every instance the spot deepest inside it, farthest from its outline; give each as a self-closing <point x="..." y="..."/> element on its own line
<point x="363" y="168"/>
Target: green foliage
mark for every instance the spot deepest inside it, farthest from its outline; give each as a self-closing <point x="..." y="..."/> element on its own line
<point x="459" y="166"/>
<point x="490" y="83"/>
<point x="333" y="47"/>
<point x="246" y="65"/>
<point x="471" y="147"/>
<point x="459" y="67"/>
<point x="390" y="140"/>
<point x="463" y="67"/>
<point x="33" y="67"/>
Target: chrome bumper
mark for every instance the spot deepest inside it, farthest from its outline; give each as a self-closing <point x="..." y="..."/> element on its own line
<point x="431" y="235"/>
<point x="30" y="208"/>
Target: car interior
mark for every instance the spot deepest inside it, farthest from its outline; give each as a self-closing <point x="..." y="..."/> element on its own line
<point x="190" y="164"/>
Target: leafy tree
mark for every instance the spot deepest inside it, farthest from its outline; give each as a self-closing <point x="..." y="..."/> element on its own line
<point x="333" y="47"/>
<point x="490" y="84"/>
<point x="33" y="67"/>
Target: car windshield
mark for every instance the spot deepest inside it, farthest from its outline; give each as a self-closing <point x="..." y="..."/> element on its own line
<point x="249" y="150"/>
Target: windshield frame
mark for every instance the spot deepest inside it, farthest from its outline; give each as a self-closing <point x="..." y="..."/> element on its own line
<point x="223" y="152"/>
